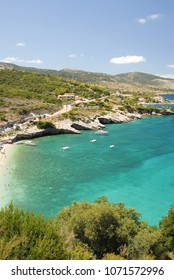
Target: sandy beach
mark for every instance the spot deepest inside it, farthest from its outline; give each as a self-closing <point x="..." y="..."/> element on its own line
<point x="5" y="154"/>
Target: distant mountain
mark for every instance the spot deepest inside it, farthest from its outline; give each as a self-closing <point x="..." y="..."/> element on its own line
<point x="135" y="79"/>
<point x="11" y="66"/>
<point x="139" y="77"/>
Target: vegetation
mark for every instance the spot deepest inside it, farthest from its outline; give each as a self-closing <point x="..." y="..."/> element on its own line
<point x="23" y="92"/>
<point x="23" y="235"/>
<point x="85" y="231"/>
<point x="44" y="125"/>
<point x="30" y="90"/>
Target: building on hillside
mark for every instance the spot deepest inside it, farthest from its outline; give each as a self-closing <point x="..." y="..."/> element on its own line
<point x="67" y="96"/>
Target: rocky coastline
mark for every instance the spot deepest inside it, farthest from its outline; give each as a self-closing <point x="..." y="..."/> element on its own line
<point x="73" y="127"/>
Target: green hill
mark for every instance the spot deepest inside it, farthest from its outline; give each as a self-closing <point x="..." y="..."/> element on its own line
<point x="138" y="77"/>
<point x="25" y="89"/>
<point x="131" y="78"/>
<point x="22" y="92"/>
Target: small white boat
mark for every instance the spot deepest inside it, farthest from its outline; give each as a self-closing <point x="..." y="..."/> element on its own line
<point x="65" y="148"/>
<point x="30" y="143"/>
<point x="19" y="143"/>
<point x="102" y="132"/>
<point x="111" y="146"/>
<point x="93" y="140"/>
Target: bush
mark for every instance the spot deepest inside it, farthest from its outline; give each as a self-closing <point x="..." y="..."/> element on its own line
<point x="45" y="125"/>
<point x="23" y="235"/>
<point x="102" y="226"/>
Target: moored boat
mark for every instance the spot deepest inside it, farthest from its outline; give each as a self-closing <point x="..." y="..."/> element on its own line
<point x="102" y="132"/>
<point x="30" y="143"/>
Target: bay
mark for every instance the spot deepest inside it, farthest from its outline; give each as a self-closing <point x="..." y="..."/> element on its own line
<point x="138" y="171"/>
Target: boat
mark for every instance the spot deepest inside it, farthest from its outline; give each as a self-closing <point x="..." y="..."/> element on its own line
<point x="102" y="132"/>
<point x="19" y="143"/>
<point x="30" y="143"/>
<point x="65" y="148"/>
<point x="111" y="146"/>
<point x="93" y="140"/>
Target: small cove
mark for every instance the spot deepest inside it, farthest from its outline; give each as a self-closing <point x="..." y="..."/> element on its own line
<point x="137" y="172"/>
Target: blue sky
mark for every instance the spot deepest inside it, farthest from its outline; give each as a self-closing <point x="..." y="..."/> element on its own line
<point x="109" y="36"/>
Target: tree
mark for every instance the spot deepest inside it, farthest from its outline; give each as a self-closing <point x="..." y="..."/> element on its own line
<point x="27" y="236"/>
<point x="167" y="230"/>
<point x="104" y="227"/>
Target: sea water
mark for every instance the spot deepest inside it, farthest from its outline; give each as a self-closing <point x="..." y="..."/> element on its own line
<point x="137" y="171"/>
<point x="169" y="96"/>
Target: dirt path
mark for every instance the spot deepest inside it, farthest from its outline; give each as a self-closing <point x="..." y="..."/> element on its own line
<point x="65" y="109"/>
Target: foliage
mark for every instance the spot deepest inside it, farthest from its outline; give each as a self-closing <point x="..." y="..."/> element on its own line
<point x="104" y="227"/>
<point x="85" y="231"/>
<point x="2" y="117"/>
<point x="32" y="91"/>
<point x="111" y="256"/>
<point x="38" y="86"/>
<point x="23" y="235"/>
<point x="44" y="125"/>
<point x="167" y="230"/>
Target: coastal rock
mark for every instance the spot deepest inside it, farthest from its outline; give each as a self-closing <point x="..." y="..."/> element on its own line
<point x="41" y="133"/>
<point x="106" y="120"/>
<point x="134" y="116"/>
<point x="92" y="125"/>
<point x="119" y="117"/>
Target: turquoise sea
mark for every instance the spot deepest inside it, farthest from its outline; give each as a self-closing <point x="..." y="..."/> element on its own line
<point x="137" y="171"/>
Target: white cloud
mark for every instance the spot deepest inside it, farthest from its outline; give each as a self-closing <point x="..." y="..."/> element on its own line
<point x="73" y="55"/>
<point x="19" y="60"/>
<point x="127" y="59"/>
<point x="34" y="61"/>
<point x="170" y="65"/>
<point x="168" y="76"/>
<point x="149" y="18"/>
<point x="154" y="17"/>
<point x="142" y="20"/>
<point x="20" y="44"/>
<point x="9" y="60"/>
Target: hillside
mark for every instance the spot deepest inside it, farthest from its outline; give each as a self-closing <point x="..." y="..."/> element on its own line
<point x="27" y="91"/>
<point x="133" y="81"/>
<point x="138" y="77"/>
<point x="23" y="92"/>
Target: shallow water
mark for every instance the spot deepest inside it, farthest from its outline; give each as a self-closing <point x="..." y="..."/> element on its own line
<point x="137" y="171"/>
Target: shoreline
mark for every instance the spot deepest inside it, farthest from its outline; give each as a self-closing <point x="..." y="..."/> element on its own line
<point x="7" y="149"/>
<point x="4" y="152"/>
<point x="5" y="157"/>
<point x="68" y="126"/>
<point x="62" y="127"/>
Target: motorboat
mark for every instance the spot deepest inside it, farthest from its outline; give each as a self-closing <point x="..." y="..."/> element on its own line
<point x="111" y="146"/>
<point x="93" y="140"/>
<point x="30" y="143"/>
<point x="65" y="148"/>
<point x="19" y="143"/>
<point x="102" y="132"/>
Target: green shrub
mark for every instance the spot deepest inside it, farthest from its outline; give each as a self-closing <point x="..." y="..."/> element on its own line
<point x="44" y="125"/>
<point x="23" y="235"/>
